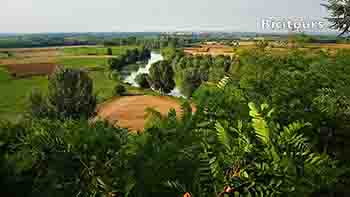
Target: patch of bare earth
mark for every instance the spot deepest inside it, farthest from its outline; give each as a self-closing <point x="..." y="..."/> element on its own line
<point x="29" y="56"/>
<point x="129" y="111"/>
<point x="35" y="55"/>
<point x="213" y="50"/>
<point x="24" y="70"/>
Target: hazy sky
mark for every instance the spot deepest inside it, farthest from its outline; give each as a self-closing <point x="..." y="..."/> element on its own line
<point x="147" y="15"/>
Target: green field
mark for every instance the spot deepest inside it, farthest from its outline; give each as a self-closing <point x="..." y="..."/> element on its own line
<point x="83" y="51"/>
<point x="15" y="92"/>
<point x="81" y="62"/>
<point x="3" y="55"/>
<point x="15" y="101"/>
<point x="103" y="86"/>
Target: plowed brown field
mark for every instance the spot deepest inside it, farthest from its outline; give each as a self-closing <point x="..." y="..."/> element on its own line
<point x="23" y="70"/>
<point x="213" y="50"/>
<point x="129" y="111"/>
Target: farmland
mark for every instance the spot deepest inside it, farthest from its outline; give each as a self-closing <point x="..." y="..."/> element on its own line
<point x="33" y="69"/>
<point x="28" y="62"/>
<point x="27" y="69"/>
<point x="129" y="111"/>
<point x="213" y="50"/>
<point x="15" y="92"/>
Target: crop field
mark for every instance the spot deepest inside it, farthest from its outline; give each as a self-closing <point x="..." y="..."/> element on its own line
<point x="95" y="51"/>
<point x="83" y="62"/>
<point x="14" y="93"/>
<point x="25" y="70"/>
<point x="210" y="50"/>
<point x="24" y="63"/>
<point x="130" y="110"/>
<point x="219" y="49"/>
<point x="28" y="56"/>
<point x="18" y="73"/>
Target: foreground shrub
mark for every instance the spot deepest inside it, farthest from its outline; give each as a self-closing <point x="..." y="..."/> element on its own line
<point x="63" y="158"/>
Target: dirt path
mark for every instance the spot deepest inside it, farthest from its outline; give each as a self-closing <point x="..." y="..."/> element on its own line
<point x="129" y="111"/>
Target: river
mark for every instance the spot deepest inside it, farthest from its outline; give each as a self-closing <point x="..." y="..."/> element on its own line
<point x="155" y="57"/>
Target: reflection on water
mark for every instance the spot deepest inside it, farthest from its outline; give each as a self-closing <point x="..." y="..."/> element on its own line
<point x="131" y="79"/>
<point x="155" y="57"/>
<point x="176" y="92"/>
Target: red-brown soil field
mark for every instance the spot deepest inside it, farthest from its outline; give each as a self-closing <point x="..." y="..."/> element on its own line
<point x="23" y="70"/>
<point x="210" y="50"/>
<point x="129" y="111"/>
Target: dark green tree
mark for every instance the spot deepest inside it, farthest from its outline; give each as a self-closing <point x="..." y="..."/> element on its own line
<point x="142" y="80"/>
<point x="109" y="51"/>
<point x="339" y="15"/>
<point x="38" y="104"/>
<point x="161" y="77"/>
<point x="119" y="89"/>
<point x="71" y="94"/>
<point x="144" y="54"/>
<point x="63" y="158"/>
<point x="116" y="63"/>
<point x="191" y="81"/>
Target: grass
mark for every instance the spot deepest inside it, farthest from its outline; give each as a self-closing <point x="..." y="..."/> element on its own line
<point x="82" y="51"/>
<point x="72" y="57"/>
<point x="14" y="100"/>
<point x="3" y="55"/>
<point x="104" y="87"/>
<point x="81" y="62"/>
<point x="14" y="96"/>
<point x="15" y="92"/>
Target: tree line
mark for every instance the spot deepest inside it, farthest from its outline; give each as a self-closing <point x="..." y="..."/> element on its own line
<point x="158" y="42"/>
<point x="187" y="72"/>
<point x="129" y="57"/>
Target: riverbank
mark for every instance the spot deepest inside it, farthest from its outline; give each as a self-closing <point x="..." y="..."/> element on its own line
<point x="155" y="57"/>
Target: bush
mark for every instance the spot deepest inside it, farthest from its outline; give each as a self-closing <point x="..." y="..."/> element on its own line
<point x="62" y="158"/>
<point x="129" y="57"/>
<point x="70" y="96"/>
<point x="161" y="77"/>
<point x="142" y="80"/>
<point x="119" y="90"/>
<point x="38" y="104"/>
<point x="191" y="81"/>
<point x="115" y="76"/>
<point x="109" y="51"/>
<point x="116" y="63"/>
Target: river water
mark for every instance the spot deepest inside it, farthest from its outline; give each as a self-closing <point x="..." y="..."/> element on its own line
<point x="155" y="57"/>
